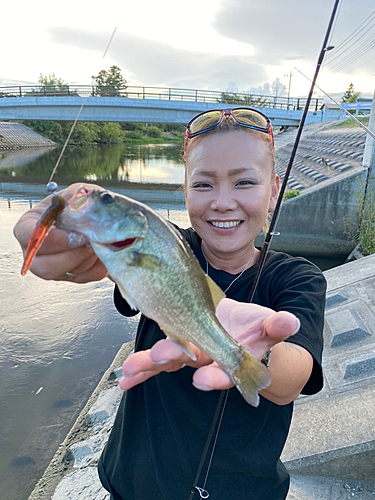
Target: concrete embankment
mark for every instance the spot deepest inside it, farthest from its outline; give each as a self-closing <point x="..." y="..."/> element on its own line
<point x="17" y="136"/>
<point x="330" y="450"/>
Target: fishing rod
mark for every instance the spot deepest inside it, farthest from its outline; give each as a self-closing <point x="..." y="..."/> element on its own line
<point x="272" y="227"/>
<point x="220" y="408"/>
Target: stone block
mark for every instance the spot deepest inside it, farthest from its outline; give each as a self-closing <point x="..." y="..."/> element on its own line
<point x="83" y="484"/>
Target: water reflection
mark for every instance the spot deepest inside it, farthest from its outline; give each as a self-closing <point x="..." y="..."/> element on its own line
<point x="154" y="163"/>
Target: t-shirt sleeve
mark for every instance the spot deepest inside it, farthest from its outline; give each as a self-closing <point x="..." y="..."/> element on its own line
<point x="121" y="305"/>
<point x="300" y="288"/>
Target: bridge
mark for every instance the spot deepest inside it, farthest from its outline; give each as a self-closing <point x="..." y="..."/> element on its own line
<point x="145" y="104"/>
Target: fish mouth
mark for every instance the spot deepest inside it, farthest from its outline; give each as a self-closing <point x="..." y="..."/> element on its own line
<point x="117" y="246"/>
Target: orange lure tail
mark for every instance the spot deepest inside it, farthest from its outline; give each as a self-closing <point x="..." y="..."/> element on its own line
<point x="41" y="230"/>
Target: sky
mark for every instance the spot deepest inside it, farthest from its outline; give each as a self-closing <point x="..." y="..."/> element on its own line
<point x="235" y="45"/>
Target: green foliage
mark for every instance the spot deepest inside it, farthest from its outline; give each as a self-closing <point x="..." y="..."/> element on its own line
<point x="50" y="80"/>
<point x="83" y="133"/>
<point x="291" y="193"/>
<point x="154" y="131"/>
<point x="110" y="133"/>
<point x="351" y="123"/>
<point x="111" y="77"/>
<point x="363" y="233"/>
<point x="134" y="134"/>
<point x="349" y="95"/>
<point x="106" y="133"/>
<point x="52" y="85"/>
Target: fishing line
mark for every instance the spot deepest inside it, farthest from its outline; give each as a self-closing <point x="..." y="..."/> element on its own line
<point x="54" y="188"/>
<point x="366" y="129"/>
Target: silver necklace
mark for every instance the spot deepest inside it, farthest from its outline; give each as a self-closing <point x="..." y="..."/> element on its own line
<point x="237" y="277"/>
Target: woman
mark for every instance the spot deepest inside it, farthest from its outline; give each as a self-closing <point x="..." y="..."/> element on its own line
<point x="162" y="425"/>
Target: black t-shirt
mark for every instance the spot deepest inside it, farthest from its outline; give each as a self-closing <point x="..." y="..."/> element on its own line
<point x="161" y="426"/>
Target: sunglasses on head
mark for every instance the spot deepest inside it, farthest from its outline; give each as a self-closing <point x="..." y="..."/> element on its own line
<point x="244" y="117"/>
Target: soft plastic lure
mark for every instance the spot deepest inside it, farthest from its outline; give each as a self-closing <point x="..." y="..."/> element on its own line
<point x="44" y="224"/>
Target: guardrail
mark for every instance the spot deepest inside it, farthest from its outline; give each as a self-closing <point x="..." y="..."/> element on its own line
<point x="358" y="106"/>
<point x="175" y="94"/>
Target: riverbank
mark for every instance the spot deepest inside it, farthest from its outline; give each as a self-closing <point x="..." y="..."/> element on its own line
<point x="334" y="458"/>
<point x="18" y="136"/>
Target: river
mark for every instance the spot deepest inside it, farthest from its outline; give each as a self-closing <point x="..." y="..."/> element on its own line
<point x="58" y="338"/>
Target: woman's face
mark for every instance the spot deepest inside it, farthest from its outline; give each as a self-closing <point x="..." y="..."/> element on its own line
<point x="229" y="190"/>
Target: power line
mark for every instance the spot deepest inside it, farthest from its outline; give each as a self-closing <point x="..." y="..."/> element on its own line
<point x="334" y="54"/>
<point x="354" y="53"/>
<point x="353" y="57"/>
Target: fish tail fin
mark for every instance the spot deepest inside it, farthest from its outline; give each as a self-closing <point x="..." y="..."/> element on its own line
<point x="250" y="377"/>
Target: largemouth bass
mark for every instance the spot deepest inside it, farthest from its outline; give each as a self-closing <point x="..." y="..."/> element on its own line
<point x="158" y="274"/>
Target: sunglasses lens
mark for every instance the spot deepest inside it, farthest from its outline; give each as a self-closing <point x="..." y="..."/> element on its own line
<point x="205" y="121"/>
<point x="250" y="118"/>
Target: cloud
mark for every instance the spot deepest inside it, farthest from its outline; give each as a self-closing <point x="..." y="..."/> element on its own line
<point x="155" y="63"/>
<point x="289" y="30"/>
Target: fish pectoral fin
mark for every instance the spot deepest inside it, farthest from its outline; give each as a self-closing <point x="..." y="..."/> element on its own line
<point x="184" y="344"/>
<point x="216" y="292"/>
<point x="250" y="378"/>
<point x="146" y="261"/>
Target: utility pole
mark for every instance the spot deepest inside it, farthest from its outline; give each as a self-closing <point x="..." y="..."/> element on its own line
<point x="290" y="82"/>
<point x="369" y="154"/>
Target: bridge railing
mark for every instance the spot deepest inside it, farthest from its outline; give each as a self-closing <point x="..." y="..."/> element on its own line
<point x="175" y="94"/>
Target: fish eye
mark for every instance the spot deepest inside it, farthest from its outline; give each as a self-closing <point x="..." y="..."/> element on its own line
<point x="106" y="198"/>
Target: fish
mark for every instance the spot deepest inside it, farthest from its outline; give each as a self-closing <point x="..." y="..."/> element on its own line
<point x="158" y="274"/>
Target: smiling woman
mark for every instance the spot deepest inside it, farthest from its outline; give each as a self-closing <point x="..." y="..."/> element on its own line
<point x="171" y="392"/>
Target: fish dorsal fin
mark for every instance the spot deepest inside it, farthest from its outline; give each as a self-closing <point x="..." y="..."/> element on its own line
<point x="216" y="292"/>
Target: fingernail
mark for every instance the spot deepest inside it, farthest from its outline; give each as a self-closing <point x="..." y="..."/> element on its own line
<point x="128" y="375"/>
<point x="118" y="388"/>
<point x="76" y="239"/>
<point x="298" y="327"/>
<point x="202" y="387"/>
<point x="162" y="362"/>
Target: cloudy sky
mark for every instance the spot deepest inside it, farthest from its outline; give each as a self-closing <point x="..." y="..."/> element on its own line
<point x="202" y="44"/>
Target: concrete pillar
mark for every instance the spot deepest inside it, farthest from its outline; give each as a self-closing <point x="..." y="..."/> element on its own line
<point x="368" y="155"/>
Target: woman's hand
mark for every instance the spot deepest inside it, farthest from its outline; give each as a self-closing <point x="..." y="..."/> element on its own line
<point x="62" y="251"/>
<point x="257" y="328"/>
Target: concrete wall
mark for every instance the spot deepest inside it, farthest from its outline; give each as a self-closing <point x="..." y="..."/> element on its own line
<point x="313" y="222"/>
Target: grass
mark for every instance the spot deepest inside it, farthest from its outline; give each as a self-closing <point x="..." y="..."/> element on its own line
<point x="351" y="123"/>
<point x="291" y="193"/>
<point x="364" y="236"/>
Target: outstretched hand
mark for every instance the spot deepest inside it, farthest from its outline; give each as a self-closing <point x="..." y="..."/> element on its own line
<point x="62" y="251"/>
<point x="255" y="327"/>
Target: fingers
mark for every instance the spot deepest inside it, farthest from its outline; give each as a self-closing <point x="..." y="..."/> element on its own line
<point x="281" y="325"/>
<point x="210" y="378"/>
<point x="165" y="356"/>
<point x="139" y="367"/>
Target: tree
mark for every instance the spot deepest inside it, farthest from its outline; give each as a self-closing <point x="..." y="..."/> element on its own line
<point x="112" y="77"/>
<point x="350" y="95"/>
<point x="50" y="80"/>
<point x="52" y="85"/>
